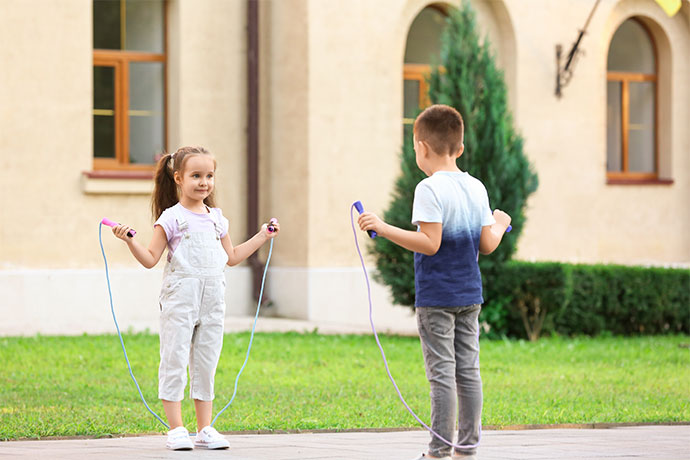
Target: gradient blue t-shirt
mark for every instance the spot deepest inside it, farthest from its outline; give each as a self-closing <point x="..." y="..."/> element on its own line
<point x="451" y="278"/>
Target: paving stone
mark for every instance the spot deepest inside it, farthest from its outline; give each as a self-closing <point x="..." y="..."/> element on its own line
<point x="655" y="442"/>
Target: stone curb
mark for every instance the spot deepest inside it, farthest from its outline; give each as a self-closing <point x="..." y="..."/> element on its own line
<point x="569" y="426"/>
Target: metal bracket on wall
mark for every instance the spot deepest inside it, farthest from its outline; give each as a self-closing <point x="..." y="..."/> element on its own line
<point x="565" y="73"/>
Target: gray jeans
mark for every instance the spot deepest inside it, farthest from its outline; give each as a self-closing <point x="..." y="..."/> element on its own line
<point x="450" y="343"/>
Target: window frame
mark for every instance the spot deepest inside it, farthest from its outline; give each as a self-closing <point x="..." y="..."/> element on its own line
<point x="625" y="78"/>
<point x="120" y="60"/>
<point x="419" y="73"/>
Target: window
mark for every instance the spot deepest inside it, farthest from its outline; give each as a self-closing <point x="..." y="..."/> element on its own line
<point x="631" y="149"/>
<point x="128" y="83"/>
<point x="423" y="49"/>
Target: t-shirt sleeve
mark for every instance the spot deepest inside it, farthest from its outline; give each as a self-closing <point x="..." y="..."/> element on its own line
<point x="426" y="206"/>
<point x="167" y="222"/>
<point x="224" y="223"/>
<point x="487" y="215"/>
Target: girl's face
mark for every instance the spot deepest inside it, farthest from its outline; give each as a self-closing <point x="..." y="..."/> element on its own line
<point x="196" y="181"/>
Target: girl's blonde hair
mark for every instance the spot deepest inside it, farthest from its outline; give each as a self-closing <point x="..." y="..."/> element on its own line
<point x="165" y="192"/>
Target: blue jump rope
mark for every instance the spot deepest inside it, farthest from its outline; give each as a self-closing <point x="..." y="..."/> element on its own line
<point x="124" y="351"/>
<point x="372" y="234"/>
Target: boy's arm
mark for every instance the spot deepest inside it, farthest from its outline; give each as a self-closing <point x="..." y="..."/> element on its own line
<point x="493" y="234"/>
<point x="426" y="241"/>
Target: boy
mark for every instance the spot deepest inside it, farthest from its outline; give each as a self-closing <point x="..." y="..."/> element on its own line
<point x="454" y="224"/>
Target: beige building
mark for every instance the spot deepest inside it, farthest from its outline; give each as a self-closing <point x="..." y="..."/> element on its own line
<point x="91" y="91"/>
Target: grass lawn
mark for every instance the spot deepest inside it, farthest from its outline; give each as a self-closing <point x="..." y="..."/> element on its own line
<point x="65" y="386"/>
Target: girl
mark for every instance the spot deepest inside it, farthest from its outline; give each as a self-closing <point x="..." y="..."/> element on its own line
<point x="192" y="299"/>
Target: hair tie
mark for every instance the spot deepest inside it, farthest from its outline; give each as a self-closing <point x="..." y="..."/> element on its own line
<point x="171" y="162"/>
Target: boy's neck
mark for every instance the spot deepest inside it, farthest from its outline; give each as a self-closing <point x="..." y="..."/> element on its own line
<point x="443" y="163"/>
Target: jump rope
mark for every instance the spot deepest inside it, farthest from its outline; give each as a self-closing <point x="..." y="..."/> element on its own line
<point x="131" y="233"/>
<point x="372" y="234"/>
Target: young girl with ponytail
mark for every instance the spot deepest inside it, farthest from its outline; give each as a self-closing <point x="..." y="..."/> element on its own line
<point x="192" y="299"/>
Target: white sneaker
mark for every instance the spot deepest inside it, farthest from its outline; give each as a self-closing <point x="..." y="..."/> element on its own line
<point x="426" y="457"/>
<point x="209" y="438"/>
<point x="178" y="439"/>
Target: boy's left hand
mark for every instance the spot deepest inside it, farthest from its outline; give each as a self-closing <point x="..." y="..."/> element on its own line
<point x="370" y="221"/>
<point x="502" y="218"/>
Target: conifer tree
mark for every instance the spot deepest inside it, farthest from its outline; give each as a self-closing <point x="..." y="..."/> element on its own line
<point x="468" y="80"/>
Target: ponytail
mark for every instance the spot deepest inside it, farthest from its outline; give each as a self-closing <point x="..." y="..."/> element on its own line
<point x="165" y="188"/>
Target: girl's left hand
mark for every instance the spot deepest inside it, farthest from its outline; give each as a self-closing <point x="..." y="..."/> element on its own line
<point x="274" y="233"/>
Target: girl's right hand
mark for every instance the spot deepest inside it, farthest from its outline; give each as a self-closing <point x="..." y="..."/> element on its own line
<point x="120" y="231"/>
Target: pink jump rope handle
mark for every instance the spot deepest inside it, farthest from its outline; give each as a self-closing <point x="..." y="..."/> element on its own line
<point x="110" y="223"/>
<point x="271" y="228"/>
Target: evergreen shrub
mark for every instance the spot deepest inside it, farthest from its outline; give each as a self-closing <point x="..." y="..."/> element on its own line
<point x="468" y="80"/>
<point x="591" y="299"/>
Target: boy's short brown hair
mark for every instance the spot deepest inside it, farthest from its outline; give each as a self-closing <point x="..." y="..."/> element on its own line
<point x="441" y="127"/>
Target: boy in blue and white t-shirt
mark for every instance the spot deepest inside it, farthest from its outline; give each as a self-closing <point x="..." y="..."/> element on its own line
<point x="454" y="224"/>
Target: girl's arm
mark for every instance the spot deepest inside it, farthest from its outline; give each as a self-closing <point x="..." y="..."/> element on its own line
<point x="237" y="254"/>
<point x="426" y="241"/>
<point x="148" y="257"/>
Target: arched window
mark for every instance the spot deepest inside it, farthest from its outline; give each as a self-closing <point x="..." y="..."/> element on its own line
<point x="423" y="50"/>
<point x="632" y="104"/>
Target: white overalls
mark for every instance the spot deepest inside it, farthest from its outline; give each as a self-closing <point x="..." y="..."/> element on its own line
<point x="192" y="303"/>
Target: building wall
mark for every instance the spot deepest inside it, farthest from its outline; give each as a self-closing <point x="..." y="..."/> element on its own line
<point x="575" y="216"/>
<point x="331" y="133"/>
<point x="51" y="270"/>
<point x="352" y="140"/>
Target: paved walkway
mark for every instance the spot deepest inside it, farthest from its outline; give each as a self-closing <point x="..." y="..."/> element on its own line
<point x="639" y="442"/>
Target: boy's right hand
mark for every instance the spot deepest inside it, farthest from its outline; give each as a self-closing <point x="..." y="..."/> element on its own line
<point x="502" y="218"/>
<point x="370" y="221"/>
<point x="120" y="231"/>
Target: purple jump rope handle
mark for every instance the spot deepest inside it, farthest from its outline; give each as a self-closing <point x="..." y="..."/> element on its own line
<point x="110" y="223"/>
<point x="360" y="209"/>
<point x="270" y="227"/>
<point x="510" y="227"/>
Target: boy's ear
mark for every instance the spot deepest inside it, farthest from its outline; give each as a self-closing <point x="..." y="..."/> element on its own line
<point x="460" y="151"/>
<point x="424" y="148"/>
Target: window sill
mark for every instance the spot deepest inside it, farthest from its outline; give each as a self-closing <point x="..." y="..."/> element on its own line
<point x="117" y="182"/>
<point x="631" y="181"/>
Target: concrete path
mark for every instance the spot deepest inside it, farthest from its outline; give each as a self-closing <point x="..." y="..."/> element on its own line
<point x="638" y="442"/>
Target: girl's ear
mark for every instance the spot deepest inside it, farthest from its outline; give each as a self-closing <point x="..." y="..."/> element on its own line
<point x="177" y="178"/>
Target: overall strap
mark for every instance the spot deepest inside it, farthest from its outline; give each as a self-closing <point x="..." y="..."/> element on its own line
<point x="179" y="217"/>
<point x="216" y="223"/>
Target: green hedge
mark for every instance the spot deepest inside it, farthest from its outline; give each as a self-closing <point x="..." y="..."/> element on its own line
<point x="529" y="299"/>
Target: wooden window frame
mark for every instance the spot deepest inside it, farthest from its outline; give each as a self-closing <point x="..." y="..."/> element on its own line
<point x="625" y="78"/>
<point x="419" y="73"/>
<point x="120" y="60"/>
